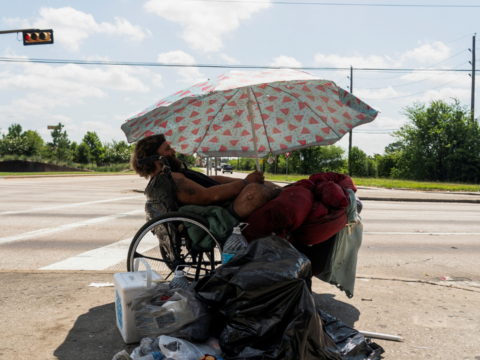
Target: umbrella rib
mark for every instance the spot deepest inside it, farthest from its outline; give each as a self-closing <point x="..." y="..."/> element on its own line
<point x="261" y="117"/>
<point x="218" y="112"/>
<point x="286" y="92"/>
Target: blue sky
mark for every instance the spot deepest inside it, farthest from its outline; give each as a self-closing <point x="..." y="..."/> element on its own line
<point x="100" y="98"/>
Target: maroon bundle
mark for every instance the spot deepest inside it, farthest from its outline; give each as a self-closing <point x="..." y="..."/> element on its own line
<point x="310" y="210"/>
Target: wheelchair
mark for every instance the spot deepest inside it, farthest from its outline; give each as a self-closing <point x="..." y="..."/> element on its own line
<point x="176" y="247"/>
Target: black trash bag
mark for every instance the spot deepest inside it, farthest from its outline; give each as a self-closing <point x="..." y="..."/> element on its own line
<point x="352" y="344"/>
<point x="264" y="299"/>
<point x="196" y="332"/>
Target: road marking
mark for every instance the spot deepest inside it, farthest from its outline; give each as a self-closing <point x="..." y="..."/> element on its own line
<point x="415" y="233"/>
<point x="104" y="257"/>
<point x="68" y="205"/>
<point x="55" y="186"/>
<point x="46" y="231"/>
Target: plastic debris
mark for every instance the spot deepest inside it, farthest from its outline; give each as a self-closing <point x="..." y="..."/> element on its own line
<point x="265" y="309"/>
<point x="122" y="355"/>
<point x="179" y="281"/>
<point x="381" y="336"/>
<point x="367" y="299"/>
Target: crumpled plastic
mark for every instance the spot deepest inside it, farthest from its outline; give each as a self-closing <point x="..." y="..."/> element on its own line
<point x="179" y="349"/>
<point x="264" y="299"/>
<point x="263" y="305"/>
<point x="352" y="344"/>
<point x="155" y="316"/>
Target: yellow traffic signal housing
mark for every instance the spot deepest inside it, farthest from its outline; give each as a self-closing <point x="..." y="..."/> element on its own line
<point x="39" y="37"/>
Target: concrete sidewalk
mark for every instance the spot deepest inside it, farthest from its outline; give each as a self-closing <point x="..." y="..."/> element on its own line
<point x="55" y="315"/>
<point x="382" y="194"/>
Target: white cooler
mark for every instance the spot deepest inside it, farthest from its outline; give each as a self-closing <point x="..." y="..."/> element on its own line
<point x="127" y="286"/>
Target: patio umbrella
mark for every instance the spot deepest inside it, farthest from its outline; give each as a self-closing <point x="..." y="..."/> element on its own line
<point x="251" y="114"/>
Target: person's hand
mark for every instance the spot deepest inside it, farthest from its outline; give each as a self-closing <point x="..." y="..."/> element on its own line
<point x="255" y="177"/>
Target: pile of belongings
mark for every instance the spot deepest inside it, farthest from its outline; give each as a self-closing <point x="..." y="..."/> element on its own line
<point x="257" y="306"/>
<point x="308" y="212"/>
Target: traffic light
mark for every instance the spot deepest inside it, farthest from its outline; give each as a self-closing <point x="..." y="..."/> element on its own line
<point x="38" y="37"/>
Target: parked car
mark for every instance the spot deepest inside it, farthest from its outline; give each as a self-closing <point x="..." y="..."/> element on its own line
<point x="227" y="168"/>
<point x="219" y="168"/>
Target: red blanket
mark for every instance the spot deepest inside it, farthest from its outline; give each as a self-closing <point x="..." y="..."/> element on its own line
<point x="310" y="210"/>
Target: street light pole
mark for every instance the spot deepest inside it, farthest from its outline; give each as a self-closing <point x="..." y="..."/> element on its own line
<point x="350" y="132"/>
<point x="472" y="108"/>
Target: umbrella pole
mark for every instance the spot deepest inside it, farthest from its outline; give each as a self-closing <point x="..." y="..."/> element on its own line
<point x="250" y="113"/>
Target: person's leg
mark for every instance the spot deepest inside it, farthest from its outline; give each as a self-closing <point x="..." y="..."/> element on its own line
<point x="253" y="197"/>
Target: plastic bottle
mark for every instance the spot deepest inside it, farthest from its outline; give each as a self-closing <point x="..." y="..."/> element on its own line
<point x="179" y="281"/>
<point x="235" y="244"/>
<point x="153" y="356"/>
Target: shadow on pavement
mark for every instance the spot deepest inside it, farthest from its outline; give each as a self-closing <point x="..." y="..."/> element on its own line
<point x="94" y="336"/>
<point x="344" y="312"/>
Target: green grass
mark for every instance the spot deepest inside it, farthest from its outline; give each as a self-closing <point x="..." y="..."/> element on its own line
<point x="387" y="183"/>
<point x="64" y="173"/>
<point x="415" y="185"/>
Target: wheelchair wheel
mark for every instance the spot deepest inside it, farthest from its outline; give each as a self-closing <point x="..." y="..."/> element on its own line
<point x="175" y="247"/>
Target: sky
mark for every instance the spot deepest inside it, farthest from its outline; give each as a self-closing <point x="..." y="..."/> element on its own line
<point x="100" y="98"/>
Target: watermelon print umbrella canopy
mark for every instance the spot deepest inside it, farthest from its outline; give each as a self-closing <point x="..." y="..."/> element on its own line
<point x="291" y="110"/>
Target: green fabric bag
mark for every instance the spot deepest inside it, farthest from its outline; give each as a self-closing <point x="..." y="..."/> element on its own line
<point x="221" y="225"/>
<point x="341" y="266"/>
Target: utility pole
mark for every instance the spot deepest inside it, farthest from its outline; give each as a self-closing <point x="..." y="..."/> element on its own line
<point x="472" y="109"/>
<point x="350" y="132"/>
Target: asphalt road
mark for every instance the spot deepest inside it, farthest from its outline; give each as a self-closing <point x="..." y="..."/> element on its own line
<point x="86" y="223"/>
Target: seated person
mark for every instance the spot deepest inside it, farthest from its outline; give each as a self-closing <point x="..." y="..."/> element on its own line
<point x="240" y="197"/>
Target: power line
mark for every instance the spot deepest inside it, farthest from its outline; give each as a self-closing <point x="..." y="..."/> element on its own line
<point x="463" y="37"/>
<point x="332" y="4"/>
<point x="422" y="92"/>
<point x="397" y="76"/>
<point x="153" y="64"/>
<point x="414" y="82"/>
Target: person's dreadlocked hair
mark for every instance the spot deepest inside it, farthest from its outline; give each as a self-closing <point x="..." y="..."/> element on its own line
<point x="144" y="148"/>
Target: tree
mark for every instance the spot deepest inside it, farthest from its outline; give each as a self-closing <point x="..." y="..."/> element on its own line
<point x="13" y="146"/>
<point x="97" y="150"/>
<point x="14" y="131"/>
<point x="442" y="143"/>
<point x="73" y="148"/>
<point x="60" y="145"/>
<point x="362" y="164"/>
<point x="82" y="153"/>
<point x="34" y="143"/>
<point x="387" y="162"/>
<point x="15" y="142"/>
<point x="117" y="152"/>
<point x="188" y="159"/>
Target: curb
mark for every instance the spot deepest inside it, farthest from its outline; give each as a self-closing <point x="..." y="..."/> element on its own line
<point x="63" y="175"/>
<point x="389" y="278"/>
<point x="465" y="201"/>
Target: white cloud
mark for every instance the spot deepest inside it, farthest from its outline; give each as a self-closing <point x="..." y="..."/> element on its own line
<point x="446" y="94"/>
<point x="72" y="80"/>
<point x="72" y="26"/>
<point x="230" y="60"/>
<point x="437" y="78"/>
<point x="430" y="52"/>
<point x="435" y="51"/>
<point x="204" y="24"/>
<point x="157" y="80"/>
<point x="355" y="61"/>
<point x="189" y="75"/>
<point x="285" y="62"/>
<point x="377" y="94"/>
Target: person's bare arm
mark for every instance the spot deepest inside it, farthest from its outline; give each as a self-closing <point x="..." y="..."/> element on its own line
<point x="224" y="179"/>
<point x="191" y="193"/>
